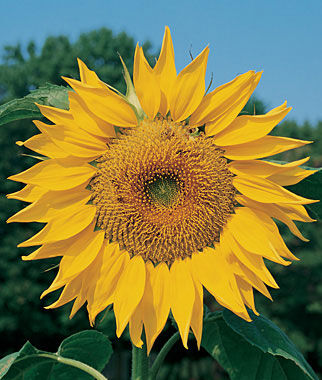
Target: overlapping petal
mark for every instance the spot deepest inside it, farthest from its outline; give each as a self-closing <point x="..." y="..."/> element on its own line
<point x="263" y="147"/>
<point x="249" y="128"/>
<point x="42" y="144"/>
<point x="182" y="297"/>
<point x="56" y="174"/>
<point x="189" y="88"/>
<point x="65" y="225"/>
<point x="76" y="142"/>
<point x="165" y="71"/>
<point x="51" y="204"/>
<point x="87" y="120"/>
<point x="105" y="103"/>
<point x="146" y="84"/>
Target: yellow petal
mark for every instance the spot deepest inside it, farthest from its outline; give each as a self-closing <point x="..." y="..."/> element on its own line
<point x="51" y="204"/>
<point x="89" y="279"/>
<point x="113" y="265"/>
<point x="261" y="190"/>
<point x="262" y="168"/>
<point x="84" y="251"/>
<point x="222" y="122"/>
<point x="249" y="276"/>
<point x="263" y="147"/>
<point x="291" y="176"/>
<point x="246" y="291"/>
<point x="71" y="290"/>
<point x="86" y="120"/>
<point x="253" y="262"/>
<point x="56" y="115"/>
<point x="43" y="145"/>
<point x="296" y="212"/>
<point x="105" y="104"/>
<point x="241" y="270"/>
<point x="58" y="248"/>
<point x="129" y="292"/>
<point x="29" y="193"/>
<point x="274" y="235"/>
<point x="165" y="70"/>
<point x="251" y="234"/>
<point x="197" y="313"/>
<point x="189" y="88"/>
<point x="216" y="276"/>
<point x="79" y="301"/>
<point x="219" y="101"/>
<point x="47" y="250"/>
<point x="227" y="252"/>
<point x="146" y="85"/>
<point x="60" y="279"/>
<point x="273" y="211"/>
<point x="156" y="301"/>
<point x="89" y="76"/>
<point x="249" y="128"/>
<point x="56" y="174"/>
<point x="73" y="140"/>
<point x="63" y="226"/>
<point x="182" y="297"/>
<point x="136" y="327"/>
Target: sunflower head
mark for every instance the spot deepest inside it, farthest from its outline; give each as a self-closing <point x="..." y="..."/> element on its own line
<point x="152" y="196"/>
<point x="160" y="193"/>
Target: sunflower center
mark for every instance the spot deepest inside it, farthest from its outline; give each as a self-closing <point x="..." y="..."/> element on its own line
<point x="162" y="194"/>
<point x="163" y="190"/>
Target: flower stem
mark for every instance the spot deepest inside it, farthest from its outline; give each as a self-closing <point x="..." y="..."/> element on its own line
<point x="140" y="363"/>
<point x="75" y="363"/>
<point x="162" y="354"/>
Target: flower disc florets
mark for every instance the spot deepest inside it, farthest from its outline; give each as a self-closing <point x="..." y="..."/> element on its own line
<point x="161" y="193"/>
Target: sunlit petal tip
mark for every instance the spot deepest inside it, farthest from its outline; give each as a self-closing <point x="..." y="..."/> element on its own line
<point x="27" y="258"/>
<point x="82" y="69"/>
<point x="146" y="85"/>
<point x="52" y="306"/>
<point x="88" y="76"/>
<point x="247" y="318"/>
<point x="166" y="57"/>
<point x="74" y="83"/>
<point x="44" y="293"/>
<point x="190" y="82"/>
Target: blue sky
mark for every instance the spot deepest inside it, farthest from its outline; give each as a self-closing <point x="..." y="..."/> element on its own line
<point x="282" y="38"/>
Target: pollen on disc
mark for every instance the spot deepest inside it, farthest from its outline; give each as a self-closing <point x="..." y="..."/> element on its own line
<point x="161" y="193"/>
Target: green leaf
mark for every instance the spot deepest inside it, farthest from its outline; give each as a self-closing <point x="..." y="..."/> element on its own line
<point x="90" y="347"/>
<point x="256" y="350"/>
<point x="26" y="365"/>
<point x="24" y="108"/>
<point x="5" y="363"/>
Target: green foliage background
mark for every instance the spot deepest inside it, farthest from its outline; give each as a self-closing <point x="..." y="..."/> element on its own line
<point x="297" y="306"/>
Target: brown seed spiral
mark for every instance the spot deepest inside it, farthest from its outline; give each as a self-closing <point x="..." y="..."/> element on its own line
<point x="161" y="193"/>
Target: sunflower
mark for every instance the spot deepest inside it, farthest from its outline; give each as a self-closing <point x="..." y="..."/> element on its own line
<point x="153" y="196"/>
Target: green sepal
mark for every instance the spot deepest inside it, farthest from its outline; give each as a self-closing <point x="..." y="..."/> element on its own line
<point x="131" y="96"/>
